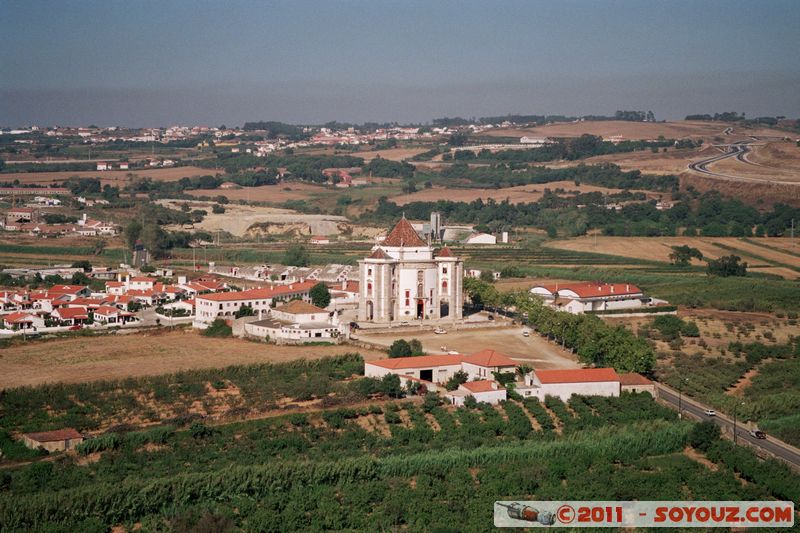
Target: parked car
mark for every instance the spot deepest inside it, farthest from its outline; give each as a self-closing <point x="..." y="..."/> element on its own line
<point x="526" y="333"/>
<point x="76" y="327"/>
<point x="440" y="331"/>
<point x="710" y="412"/>
<point x="757" y="433"/>
<point x="491" y="317"/>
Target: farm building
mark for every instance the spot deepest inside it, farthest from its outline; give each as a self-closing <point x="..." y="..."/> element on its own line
<point x="430" y="368"/>
<point x="634" y="382"/>
<point x="486" y="390"/>
<point x="481" y="365"/>
<point x="564" y="383"/>
<point x="582" y="297"/>
<point x="53" y="441"/>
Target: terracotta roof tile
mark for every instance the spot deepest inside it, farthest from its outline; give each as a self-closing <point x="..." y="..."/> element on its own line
<point x="423" y="361"/>
<point x="485" y="385"/>
<point x="578" y="375"/>
<point x="300" y="307"/>
<point x="255" y="294"/>
<point x="53" y="436"/>
<point x="489" y="358"/>
<point x="378" y="254"/>
<point x="632" y="378"/>
<point x="445" y="252"/>
<point x="403" y="234"/>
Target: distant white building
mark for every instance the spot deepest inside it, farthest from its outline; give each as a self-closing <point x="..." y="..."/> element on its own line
<point x="480" y="238"/>
<point x="225" y="305"/>
<point x="581" y="297"/>
<point x="486" y="390"/>
<point x="298" y="321"/>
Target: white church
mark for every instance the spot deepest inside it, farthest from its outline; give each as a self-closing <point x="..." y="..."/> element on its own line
<point x="402" y="280"/>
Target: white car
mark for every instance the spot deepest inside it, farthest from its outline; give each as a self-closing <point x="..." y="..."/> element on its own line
<point x="440" y="331"/>
<point x="526" y="333"/>
<point x="710" y="412"/>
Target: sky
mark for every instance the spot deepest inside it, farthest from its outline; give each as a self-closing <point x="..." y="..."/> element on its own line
<point x="146" y="63"/>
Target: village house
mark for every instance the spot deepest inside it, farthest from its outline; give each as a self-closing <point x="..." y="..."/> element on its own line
<point x="70" y="316"/>
<point x="485" y="390"/>
<point x="582" y="297"/>
<point x="21" y="320"/>
<point x="483" y="364"/>
<point x="53" y="441"/>
<point x="227" y="304"/>
<point x="298" y="320"/>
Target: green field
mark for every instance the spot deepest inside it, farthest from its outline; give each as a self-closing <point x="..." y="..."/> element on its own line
<point x="408" y="465"/>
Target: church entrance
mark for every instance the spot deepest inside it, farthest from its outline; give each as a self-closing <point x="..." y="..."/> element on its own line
<point x="444" y="309"/>
<point x="420" y="308"/>
<point x="369" y="311"/>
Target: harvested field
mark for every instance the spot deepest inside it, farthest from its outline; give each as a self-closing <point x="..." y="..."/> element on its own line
<point x="240" y="220"/>
<point x="267" y="193"/>
<point x="659" y="248"/>
<point x="393" y="154"/>
<point x="771" y="164"/>
<point x="632" y="130"/>
<point x="111" y="177"/>
<point x="515" y="195"/>
<point x="83" y="359"/>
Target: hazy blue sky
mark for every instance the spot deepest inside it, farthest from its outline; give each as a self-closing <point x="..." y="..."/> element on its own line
<point x="144" y="63"/>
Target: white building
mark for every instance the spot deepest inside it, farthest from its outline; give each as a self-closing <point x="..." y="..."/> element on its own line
<point x="298" y="321"/>
<point x="485" y="390"/>
<point x="483" y="364"/>
<point x="480" y="238"/>
<point x="430" y="368"/>
<point x="564" y="383"/>
<point x="402" y="280"/>
<point x="581" y="297"/>
<point x="211" y="306"/>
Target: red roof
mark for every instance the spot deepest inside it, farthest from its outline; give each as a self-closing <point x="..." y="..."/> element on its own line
<point x="595" y="290"/>
<point x="578" y="375"/>
<point x="72" y="312"/>
<point x="256" y="294"/>
<point x="485" y="385"/>
<point x="423" y="361"/>
<point x="632" y="378"/>
<point x="18" y="317"/>
<point x="54" y="436"/>
<point x="378" y="254"/>
<point x="489" y="358"/>
<point x="106" y="310"/>
<point x="403" y="234"/>
<point x="65" y="289"/>
<point x="445" y="252"/>
<point x="143" y="279"/>
<point x="115" y="284"/>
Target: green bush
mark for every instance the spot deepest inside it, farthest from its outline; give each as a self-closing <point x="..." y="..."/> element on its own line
<point x="218" y="328"/>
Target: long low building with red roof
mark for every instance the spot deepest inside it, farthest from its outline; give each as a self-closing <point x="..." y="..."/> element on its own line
<point x="563" y="383"/>
<point x="224" y="305"/>
<point x="589" y="296"/>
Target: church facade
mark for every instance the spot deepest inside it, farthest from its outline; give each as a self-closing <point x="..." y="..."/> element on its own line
<point x="403" y="280"/>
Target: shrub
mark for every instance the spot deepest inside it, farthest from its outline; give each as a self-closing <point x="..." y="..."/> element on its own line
<point x="703" y="435"/>
<point x="218" y="328"/>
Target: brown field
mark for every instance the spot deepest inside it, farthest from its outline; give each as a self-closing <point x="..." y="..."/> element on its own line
<point x="516" y="195"/>
<point x="773" y="162"/>
<point x="659" y="248"/>
<point x="632" y="130"/>
<point x="111" y="177"/>
<point x="393" y="154"/>
<point x="669" y="162"/>
<point x="82" y="359"/>
<point x="267" y="193"/>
